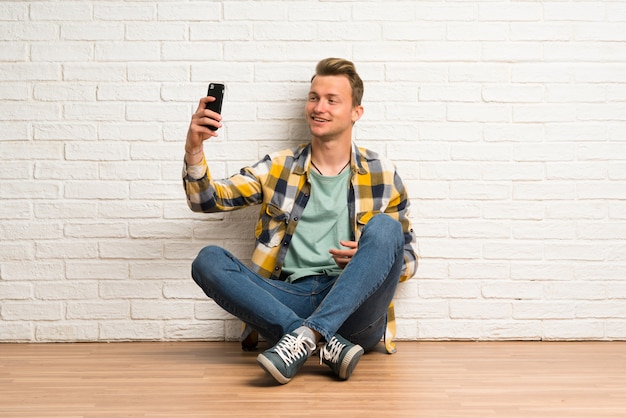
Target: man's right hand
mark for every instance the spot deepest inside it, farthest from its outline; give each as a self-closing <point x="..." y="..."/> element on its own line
<point x="198" y="131"/>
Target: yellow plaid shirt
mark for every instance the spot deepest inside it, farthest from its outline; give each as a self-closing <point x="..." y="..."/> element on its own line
<point x="280" y="184"/>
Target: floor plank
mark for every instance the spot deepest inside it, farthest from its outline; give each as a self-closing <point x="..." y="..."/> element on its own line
<point x="424" y="379"/>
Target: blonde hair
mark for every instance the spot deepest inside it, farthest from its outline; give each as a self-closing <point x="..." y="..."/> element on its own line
<point x="340" y="66"/>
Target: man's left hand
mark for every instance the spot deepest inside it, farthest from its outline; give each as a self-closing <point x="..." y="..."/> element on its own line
<point x="343" y="257"/>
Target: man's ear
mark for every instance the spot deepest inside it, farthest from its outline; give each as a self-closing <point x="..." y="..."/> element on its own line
<point x="357" y="112"/>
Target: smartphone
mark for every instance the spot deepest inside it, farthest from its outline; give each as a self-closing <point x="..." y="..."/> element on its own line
<point x="215" y="90"/>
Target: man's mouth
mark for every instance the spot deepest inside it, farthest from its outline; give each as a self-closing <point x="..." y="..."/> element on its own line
<point x="317" y="119"/>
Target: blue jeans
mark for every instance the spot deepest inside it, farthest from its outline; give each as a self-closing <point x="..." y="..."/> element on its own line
<point x="353" y="304"/>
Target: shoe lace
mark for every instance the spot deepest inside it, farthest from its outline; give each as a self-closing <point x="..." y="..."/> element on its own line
<point x="331" y="351"/>
<point x="291" y="348"/>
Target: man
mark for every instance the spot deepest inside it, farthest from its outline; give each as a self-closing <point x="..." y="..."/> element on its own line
<point x="333" y="237"/>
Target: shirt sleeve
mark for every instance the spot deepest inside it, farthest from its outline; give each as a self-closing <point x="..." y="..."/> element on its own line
<point x="400" y="207"/>
<point x="205" y="194"/>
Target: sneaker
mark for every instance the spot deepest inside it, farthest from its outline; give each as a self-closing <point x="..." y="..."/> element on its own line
<point x="341" y="356"/>
<point x="285" y="359"/>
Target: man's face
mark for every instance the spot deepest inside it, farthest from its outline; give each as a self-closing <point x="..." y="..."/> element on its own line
<point x="329" y="109"/>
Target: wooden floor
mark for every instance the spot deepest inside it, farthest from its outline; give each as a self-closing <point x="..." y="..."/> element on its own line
<point x="206" y="379"/>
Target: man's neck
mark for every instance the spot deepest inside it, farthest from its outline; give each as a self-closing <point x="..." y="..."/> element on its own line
<point x="330" y="157"/>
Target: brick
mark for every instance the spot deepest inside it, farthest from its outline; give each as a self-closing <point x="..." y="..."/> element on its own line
<point x="479" y="191"/>
<point x="14" y="91"/>
<point x="448" y="12"/>
<point x="190" y="51"/>
<point x="73" y="331"/>
<point x="544" y="230"/>
<point x="449" y="289"/>
<point x="539" y="310"/>
<point x="217" y="31"/>
<point x="126" y="210"/>
<point x="438" y="329"/>
<point x="16" y="290"/>
<point x="424" y="309"/>
<point x="15" y="171"/>
<point x="32" y="311"/>
<point x="12" y="11"/>
<point x="485" y="229"/>
<point x="581" y="11"/>
<point x="160" y="270"/>
<point x="148" y="190"/>
<point x="123" y="11"/>
<point x="513" y="93"/>
<point x="542" y="271"/>
<point x="150" y="31"/>
<point x="512" y="290"/>
<point x="22" y="111"/>
<point x="62" y="12"/>
<point x="100" y="151"/>
<point x="209" y="310"/>
<point x="199" y="11"/>
<point x="66" y="291"/>
<point x="187" y="289"/>
<point x="136" y="131"/>
<point x="477" y="31"/>
<point x="64" y="131"/>
<point x="94" y="112"/>
<point x="141" y="309"/>
<point x="31" y="151"/>
<point x="517" y="250"/>
<point x="19" y="230"/>
<point x="331" y="12"/>
<point x="478" y="309"/>
<point x="96" y="230"/>
<point x="61" y="52"/>
<point x="88" y="310"/>
<point x="138" y="289"/>
<point x="66" y="250"/>
<point x="96" y="270"/>
<point x="518" y="51"/>
<point x="130" y="331"/>
<point x="278" y="31"/>
<point x="18" y="31"/>
<point x="572" y="330"/>
<point x="478" y="112"/>
<point x="136" y="250"/>
<point x="608" y="32"/>
<point x="16" y="250"/>
<point x="514" y="210"/>
<point x="509" y="12"/>
<point x="16" y="331"/>
<point x="93" y="31"/>
<point x="466" y="270"/>
<point x="580" y="251"/>
<point x="204" y="331"/>
<point x="127" y="51"/>
<point x="270" y="10"/>
<point x="402" y="51"/>
<point x="162" y="72"/>
<point x="156" y="112"/>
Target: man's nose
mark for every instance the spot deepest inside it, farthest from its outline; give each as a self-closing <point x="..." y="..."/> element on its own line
<point x="320" y="106"/>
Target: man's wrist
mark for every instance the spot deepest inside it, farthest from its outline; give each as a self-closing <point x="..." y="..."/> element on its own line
<point x="193" y="151"/>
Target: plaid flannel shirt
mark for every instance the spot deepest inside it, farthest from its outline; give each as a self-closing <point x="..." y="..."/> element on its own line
<point x="279" y="183"/>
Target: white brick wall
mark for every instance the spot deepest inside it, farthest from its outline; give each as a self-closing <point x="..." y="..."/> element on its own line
<point x="506" y="119"/>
